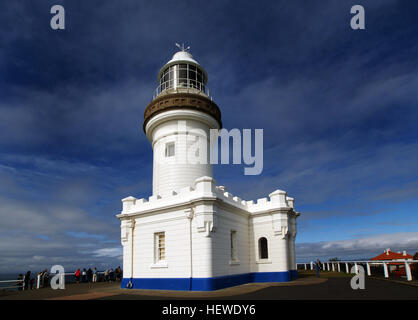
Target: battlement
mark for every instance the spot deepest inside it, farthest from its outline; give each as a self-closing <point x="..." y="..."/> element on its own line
<point x="205" y="187"/>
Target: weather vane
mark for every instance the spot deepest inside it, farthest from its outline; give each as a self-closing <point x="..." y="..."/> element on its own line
<point x="182" y="47"/>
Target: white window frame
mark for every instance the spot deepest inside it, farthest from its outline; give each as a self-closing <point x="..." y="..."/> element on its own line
<point x="260" y="260"/>
<point x="234" y="248"/>
<point x="168" y="147"/>
<point x="158" y="261"/>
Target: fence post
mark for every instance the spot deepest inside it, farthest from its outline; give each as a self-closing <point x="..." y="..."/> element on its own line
<point x="385" y="270"/>
<point x="355" y="268"/>
<point x="338" y="267"/>
<point x="38" y="281"/>
<point x="369" y="273"/>
<point x="333" y="266"/>
<point x="346" y="267"/>
<point x="311" y="265"/>
<point x="408" y="272"/>
<point x="327" y="266"/>
<point x="323" y="266"/>
<point x="306" y="267"/>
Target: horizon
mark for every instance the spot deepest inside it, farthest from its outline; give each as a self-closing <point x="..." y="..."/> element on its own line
<point x="338" y="108"/>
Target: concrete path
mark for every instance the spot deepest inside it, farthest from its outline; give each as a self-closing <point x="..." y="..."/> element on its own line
<point x="330" y="286"/>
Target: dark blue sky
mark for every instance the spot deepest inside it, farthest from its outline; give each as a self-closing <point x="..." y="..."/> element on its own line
<point x="338" y="108"/>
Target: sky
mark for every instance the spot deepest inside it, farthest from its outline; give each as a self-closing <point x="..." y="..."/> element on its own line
<point x="338" y="108"/>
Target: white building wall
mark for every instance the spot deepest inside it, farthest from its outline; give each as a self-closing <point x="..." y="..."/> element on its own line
<point x="175" y="225"/>
<point x="292" y="236"/>
<point x="229" y="220"/>
<point x="188" y="134"/>
<point x="262" y="226"/>
<point x="202" y="224"/>
<point x="213" y="213"/>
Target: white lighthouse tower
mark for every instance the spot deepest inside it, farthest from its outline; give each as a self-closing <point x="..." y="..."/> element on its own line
<point x="191" y="234"/>
<point x="177" y="122"/>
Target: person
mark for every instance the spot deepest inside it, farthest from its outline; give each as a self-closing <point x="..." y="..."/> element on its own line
<point x="111" y="275"/>
<point x="317" y="267"/>
<point x="45" y="278"/>
<point x="89" y="275"/>
<point x="77" y="275"/>
<point x="83" y="275"/>
<point x="19" y="282"/>
<point x="106" y="275"/>
<point x="27" y="280"/>
<point x="118" y="273"/>
<point x="95" y="274"/>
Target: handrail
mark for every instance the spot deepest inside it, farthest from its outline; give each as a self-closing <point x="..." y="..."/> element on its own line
<point x="21" y="282"/>
<point x="172" y="84"/>
<point x="360" y="261"/>
<point x="368" y="263"/>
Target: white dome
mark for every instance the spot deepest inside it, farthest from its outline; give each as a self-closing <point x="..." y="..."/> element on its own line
<point x="182" y="56"/>
<point x="185" y="57"/>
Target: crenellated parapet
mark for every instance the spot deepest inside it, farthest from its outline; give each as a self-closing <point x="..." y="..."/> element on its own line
<point x="205" y="188"/>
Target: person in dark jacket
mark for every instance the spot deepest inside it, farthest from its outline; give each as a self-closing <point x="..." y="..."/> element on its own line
<point x="317" y="267"/>
<point x="118" y="274"/>
<point x="111" y="275"/>
<point x="84" y="275"/>
<point x="45" y="278"/>
<point x="27" y="280"/>
<point x="89" y="275"/>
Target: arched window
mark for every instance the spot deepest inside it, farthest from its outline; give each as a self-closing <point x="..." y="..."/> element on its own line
<point x="263" y="248"/>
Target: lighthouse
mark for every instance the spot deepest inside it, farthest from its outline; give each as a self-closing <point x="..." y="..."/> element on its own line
<point x="178" y="121"/>
<point x="190" y="233"/>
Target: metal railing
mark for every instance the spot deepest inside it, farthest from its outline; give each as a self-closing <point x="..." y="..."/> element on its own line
<point x="39" y="281"/>
<point x="181" y="84"/>
<point x="336" y="266"/>
<point x="20" y="283"/>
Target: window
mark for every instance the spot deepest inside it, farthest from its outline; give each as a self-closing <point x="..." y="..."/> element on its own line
<point x="263" y="248"/>
<point x="159" y="246"/>
<point x="169" y="149"/>
<point x="234" y="249"/>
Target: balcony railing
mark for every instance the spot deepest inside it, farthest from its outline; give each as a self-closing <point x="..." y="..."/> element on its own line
<point x="337" y="266"/>
<point x="181" y="85"/>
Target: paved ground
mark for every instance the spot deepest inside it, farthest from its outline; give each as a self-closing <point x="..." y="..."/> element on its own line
<point x="330" y="286"/>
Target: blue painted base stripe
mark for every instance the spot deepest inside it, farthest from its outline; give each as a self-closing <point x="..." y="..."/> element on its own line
<point x="208" y="284"/>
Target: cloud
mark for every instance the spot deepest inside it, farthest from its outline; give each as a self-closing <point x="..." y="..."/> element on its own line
<point x="109" y="252"/>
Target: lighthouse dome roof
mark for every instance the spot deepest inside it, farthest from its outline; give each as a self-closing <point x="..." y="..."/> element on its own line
<point x="181" y="56"/>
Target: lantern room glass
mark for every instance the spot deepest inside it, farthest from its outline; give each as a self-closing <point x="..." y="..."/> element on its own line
<point x="183" y="75"/>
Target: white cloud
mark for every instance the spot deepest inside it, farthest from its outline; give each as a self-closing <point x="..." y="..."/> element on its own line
<point x="109" y="252"/>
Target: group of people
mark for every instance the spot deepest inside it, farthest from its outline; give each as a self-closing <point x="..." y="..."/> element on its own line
<point x="27" y="281"/>
<point x="94" y="275"/>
